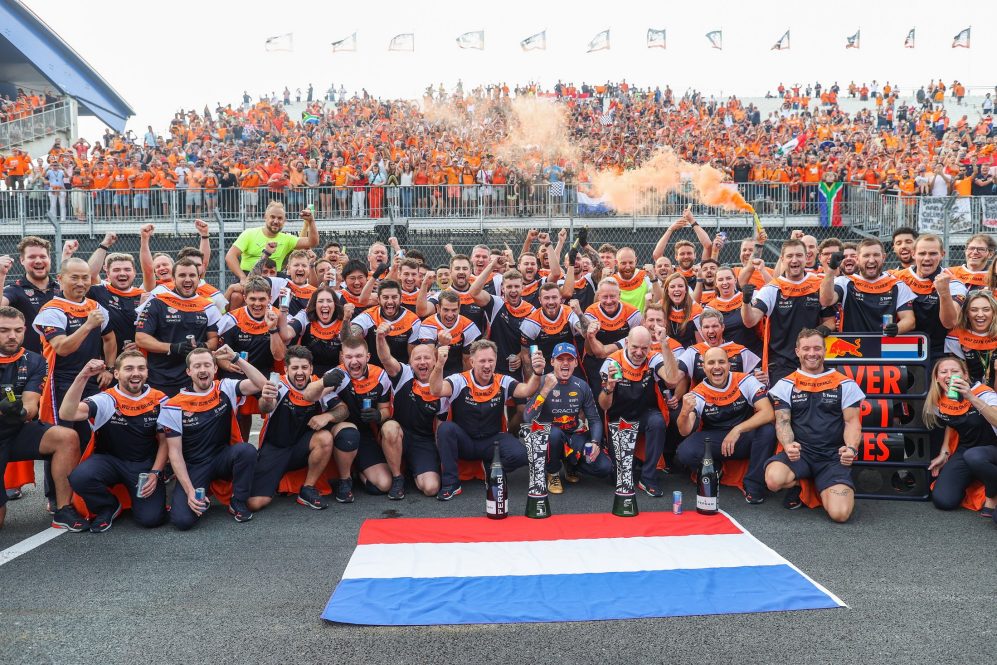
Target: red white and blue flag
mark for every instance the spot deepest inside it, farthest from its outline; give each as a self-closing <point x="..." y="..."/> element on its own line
<point x="408" y="572"/>
<point x="901" y="348"/>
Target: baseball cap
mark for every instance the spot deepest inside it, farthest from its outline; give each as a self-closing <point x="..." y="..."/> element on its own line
<point x="564" y="348"/>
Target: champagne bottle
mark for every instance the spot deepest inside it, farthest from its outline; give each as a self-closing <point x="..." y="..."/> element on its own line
<point x="707" y="482"/>
<point x="496" y="506"/>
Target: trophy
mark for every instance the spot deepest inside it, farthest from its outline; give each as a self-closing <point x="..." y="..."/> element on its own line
<point x="536" y="438"/>
<point x="623" y="436"/>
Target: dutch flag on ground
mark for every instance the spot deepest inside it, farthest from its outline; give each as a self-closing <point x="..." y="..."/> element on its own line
<point x="565" y="568"/>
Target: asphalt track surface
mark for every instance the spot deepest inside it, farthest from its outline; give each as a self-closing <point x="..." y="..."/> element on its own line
<point x="921" y="586"/>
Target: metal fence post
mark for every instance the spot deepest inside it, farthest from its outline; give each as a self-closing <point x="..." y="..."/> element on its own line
<point x="58" y="241"/>
<point x="946" y="222"/>
<point x="221" y="250"/>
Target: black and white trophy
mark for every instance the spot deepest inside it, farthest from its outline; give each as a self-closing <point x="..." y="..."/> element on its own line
<point x="623" y="436"/>
<point x="536" y="437"/>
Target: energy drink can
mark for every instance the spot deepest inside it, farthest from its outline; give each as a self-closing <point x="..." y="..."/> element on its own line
<point x="677" y="502"/>
<point x="366" y="403"/>
<point x="887" y="320"/>
<point x="953" y="393"/>
<point x="274" y="378"/>
<point x="244" y="355"/>
<point x="722" y="237"/>
<point x="9" y="392"/>
<point x="199" y="494"/>
<point x="143" y="478"/>
<point x="533" y="349"/>
<point x="192" y="340"/>
<point x="589" y="449"/>
<point x="615" y="371"/>
<point x="285" y="299"/>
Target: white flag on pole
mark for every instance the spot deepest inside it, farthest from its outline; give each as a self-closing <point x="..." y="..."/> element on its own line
<point x="909" y="40"/>
<point x="962" y="39"/>
<point x="716" y="38"/>
<point x="537" y="42"/>
<point x="345" y="44"/>
<point x="655" y="38"/>
<point x="853" y="40"/>
<point x="600" y="42"/>
<point x="475" y="40"/>
<point x="782" y="44"/>
<point x="403" y="42"/>
<point x="283" y="42"/>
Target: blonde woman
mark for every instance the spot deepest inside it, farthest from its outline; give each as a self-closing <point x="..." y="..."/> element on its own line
<point x="975" y="338"/>
<point x="973" y="416"/>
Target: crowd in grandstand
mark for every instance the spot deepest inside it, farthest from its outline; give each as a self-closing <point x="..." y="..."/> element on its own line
<point x="372" y="369"/>
<point x="366" y="157"/>
<point x="23" y="104"/>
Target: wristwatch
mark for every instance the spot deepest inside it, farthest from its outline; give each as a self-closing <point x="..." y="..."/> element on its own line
<point x="854" y="450"/>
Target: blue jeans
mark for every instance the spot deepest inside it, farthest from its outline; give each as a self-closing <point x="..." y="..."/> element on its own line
<point x="601" y="467"/>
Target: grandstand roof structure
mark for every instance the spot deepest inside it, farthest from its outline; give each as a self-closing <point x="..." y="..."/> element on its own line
<point x="33" y="56"/>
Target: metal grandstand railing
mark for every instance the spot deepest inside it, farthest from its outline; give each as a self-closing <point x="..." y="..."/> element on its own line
<point x="41" y="122"/>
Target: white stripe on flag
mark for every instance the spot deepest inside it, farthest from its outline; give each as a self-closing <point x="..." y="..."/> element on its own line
<point x="558" y="557"/>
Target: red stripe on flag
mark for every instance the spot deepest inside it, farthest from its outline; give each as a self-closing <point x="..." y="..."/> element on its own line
<point x="557" y="527"/>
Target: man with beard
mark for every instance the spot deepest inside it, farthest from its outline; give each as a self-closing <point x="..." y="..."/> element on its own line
<point x="818" y="425"/>
<point x="28" y="293"/>
<point x="174" y="323"/>
<point x="567" y="403"/>
<point x="789" y="303"/>
<point x="506" y="314"/>
<point x="294" y="435"/>
<point x="368" y="436"/>
<point x="403" y="324"/>
<point x="251" y="244"/>
<point x="685" y="251"/>
<point x="630" y="395"/>
<point x="979" y="251"/>
<point x="23" y="437"/>
<point x="119" y="296"/>
<point x="416" y="410"/>
<point x="613" y="321"/>
<point x="733" y="412"/>
<point x="549" y="325"/>
<point x="460" y="282"/>
<point x="74" y="330"/>
<point x="477" y="400"/>
<point x="126" y="443"/>
<point x="634" y="284"/>
<point x="449" y="328"/>
<point x="583" y="273"/>
<point x="408" y="278"/>
<point x="529" y="265"/>
<point x="903" y="247"/>
<point x="937" y="297"/>
<point x="253" y="329"/>
<point x="868" y="295"/>
<point x="203" y="445"/>
<point x="706" y="285"/>
<point x="157" y="272"/>
<point x="849" y="264"/>
<point x="739" y="358"/>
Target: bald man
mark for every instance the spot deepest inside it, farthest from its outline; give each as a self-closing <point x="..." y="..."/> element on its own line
<point x="634" y="284"/>
<point x="628" y="394"/>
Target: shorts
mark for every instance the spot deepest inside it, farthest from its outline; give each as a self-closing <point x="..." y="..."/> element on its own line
<point x="272" y="462"/>
<point x="825" y="473"/>
<point x="120" y="199"/>
<point x="193" y="197"/>
<point x="341" y="193"/>
<point x="369" y="453"/>
<point x="420" y="454"/>
<point x="20" y="445"/>
<point x="142" y="201"/>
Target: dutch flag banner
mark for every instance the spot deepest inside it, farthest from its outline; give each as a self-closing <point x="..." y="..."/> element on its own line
<point x="473" y="570"/>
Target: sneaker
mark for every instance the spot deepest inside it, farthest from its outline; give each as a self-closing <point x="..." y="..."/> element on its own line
<point x="397" y="491"/>
<point x="14" y="493"/>
<point x="753" y="499"/>
<point x="554" y="485"/>
<point x="67" y="518"/>
<point x="309" y="496"/>
<point x="447" y="493"/>
<point x="571" y="474"/>
<point x="239" y="511"/>
<point x="103" y="521"/>
<point x="649" y="489"/>
<point x="344" y="490"/>
<point x="987" y="512"/>
<point x="792" y="499"/>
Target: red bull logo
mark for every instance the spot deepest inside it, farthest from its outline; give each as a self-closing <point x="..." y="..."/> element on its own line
<point x="840" y="348"/>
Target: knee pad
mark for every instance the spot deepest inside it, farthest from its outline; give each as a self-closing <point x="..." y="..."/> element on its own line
<point x="347" y="440"/>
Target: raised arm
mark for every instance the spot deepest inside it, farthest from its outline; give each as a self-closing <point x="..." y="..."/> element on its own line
<point x="145" y="257"/>
<point x="96" y="261"/>
<point x="437" y="386"/>
<point x="388" y="361"/>
<point x="481" y="297"/>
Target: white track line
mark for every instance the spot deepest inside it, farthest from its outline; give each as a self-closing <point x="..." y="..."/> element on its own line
<point x="28" y="544"/>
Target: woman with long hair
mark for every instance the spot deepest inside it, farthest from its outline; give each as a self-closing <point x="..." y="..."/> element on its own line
<point x="973" y="417"/>
<point x="974" y="339"/>
<point x="728" y="301"/>
<point x="319" y="326"/>
<point x="681" y="312"/>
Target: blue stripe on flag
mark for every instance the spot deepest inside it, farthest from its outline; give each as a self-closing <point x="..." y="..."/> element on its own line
<point x="577" y="597"/>
<point x="900" y="355"/>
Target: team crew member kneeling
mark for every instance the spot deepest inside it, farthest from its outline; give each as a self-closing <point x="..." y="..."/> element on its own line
<point x="368" y="436"/>
<point x="566" y="402"/>
<point x="203" y="438"/>
<point x="126" y="442"/>
<point x="973" y="416"/>
<point x="817" y="422"/>
<point x="735" y="414"/>
<point x="477" y="412"/>
<point x="295" y="433"/>
<point x="22" y="437"/>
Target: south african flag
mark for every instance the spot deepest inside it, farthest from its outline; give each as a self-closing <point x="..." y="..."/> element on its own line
<point x="829" y="197"/>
